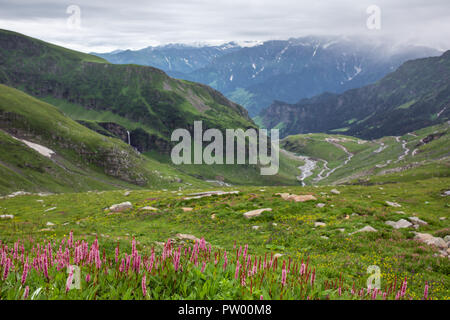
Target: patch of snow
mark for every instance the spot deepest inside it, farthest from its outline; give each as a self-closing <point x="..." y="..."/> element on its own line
<point x="281" y="53"/>
<point x="46" y="152"/>
<point x="315" y="50"/>
<point x="440" y="112"/>
<point x="326" y="45"/>
<point x="187" y="62"/>
<point x="168" y="63"/>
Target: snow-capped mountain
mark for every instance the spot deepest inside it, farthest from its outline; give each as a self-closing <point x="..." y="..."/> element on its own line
<point x="288" y="70"/>
<point x="175" y="59"/>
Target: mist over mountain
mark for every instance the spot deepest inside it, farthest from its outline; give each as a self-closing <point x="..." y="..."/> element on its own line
<point x="174" y="59"/>
<point x="286" y="70"/>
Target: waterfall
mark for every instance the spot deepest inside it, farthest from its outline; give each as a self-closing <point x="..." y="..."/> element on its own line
<point x="128" y="134"/>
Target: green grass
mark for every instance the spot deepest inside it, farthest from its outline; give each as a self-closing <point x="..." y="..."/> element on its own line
<point x="288" y="229"/>
<point x="406" y="105"/>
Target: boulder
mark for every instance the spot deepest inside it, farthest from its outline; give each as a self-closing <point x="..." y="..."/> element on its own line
<point x="296" y="198"/>
<point x="255" y="227"/>
<point x="121" y="207"/>
<point x="6" y="216"/>
<point x="320" y="205"/>
<point x="393" y="204"/>
<point x="319" y="224"/>
<point x="148" y="208"/>
<point x="255" y="213"/>
<point x="186" y="209"/>
<point x="430" y="240"/>
<point x="400" y="224"/>
<point x="391" y="223"/>
<point x="200" y="195"/>
<point x="183" y="236"/>
<point x="418" y="221"/>
<point x="365" y="229"/>
<point x="334" y="191"/>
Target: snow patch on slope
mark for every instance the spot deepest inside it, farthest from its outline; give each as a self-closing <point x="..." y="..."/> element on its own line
<point x="46" y="152"/>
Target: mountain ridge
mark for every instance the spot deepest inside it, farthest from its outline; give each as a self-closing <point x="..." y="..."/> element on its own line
<point x="291" y="69"/>
<point x="416" y="95"/>
<point x="142" y="95"/>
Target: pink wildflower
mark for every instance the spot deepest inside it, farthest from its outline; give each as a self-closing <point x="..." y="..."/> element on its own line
<point x="425" y="293"/>
<point x="24" y="274"/>
<point x="69" y="280"/>
<point x="26" y="293"/>
<point x="236" y="274"/>
<point x="144" y="286"/>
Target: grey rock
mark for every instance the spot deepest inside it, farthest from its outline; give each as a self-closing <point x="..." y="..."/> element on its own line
<point x="393" y="204"/>
<point x="418" y="221"/>
<point x="400" y="224"/>
<point x="255" y="213"/>
<point x="365" y="229"/>
<point x="319" y="224"/>
<point x="430" y="240"/>
<point x="121" y="207"/>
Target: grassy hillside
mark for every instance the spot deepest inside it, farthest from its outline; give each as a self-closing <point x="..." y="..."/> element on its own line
<point x="86" y="160"/>
<point x="86" y="87"/>
<point x="83" y="159"/>
<point x="342" y="159"/>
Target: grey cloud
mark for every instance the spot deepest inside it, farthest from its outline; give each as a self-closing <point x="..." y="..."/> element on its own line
<point x="108" y="25"/>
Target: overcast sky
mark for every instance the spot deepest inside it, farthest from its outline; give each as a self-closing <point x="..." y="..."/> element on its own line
<point x="133" y="24"/>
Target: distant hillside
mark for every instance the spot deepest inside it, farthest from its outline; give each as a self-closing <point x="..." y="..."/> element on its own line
<point x="338" y="159"/>
<point x="416" y="95"/>
<point x="142" y="100"/>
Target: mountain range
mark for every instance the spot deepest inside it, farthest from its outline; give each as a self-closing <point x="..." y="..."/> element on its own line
<point x="286" y="70"/>
<point x="73" y="122"/>
<point x="414" y="96"/>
